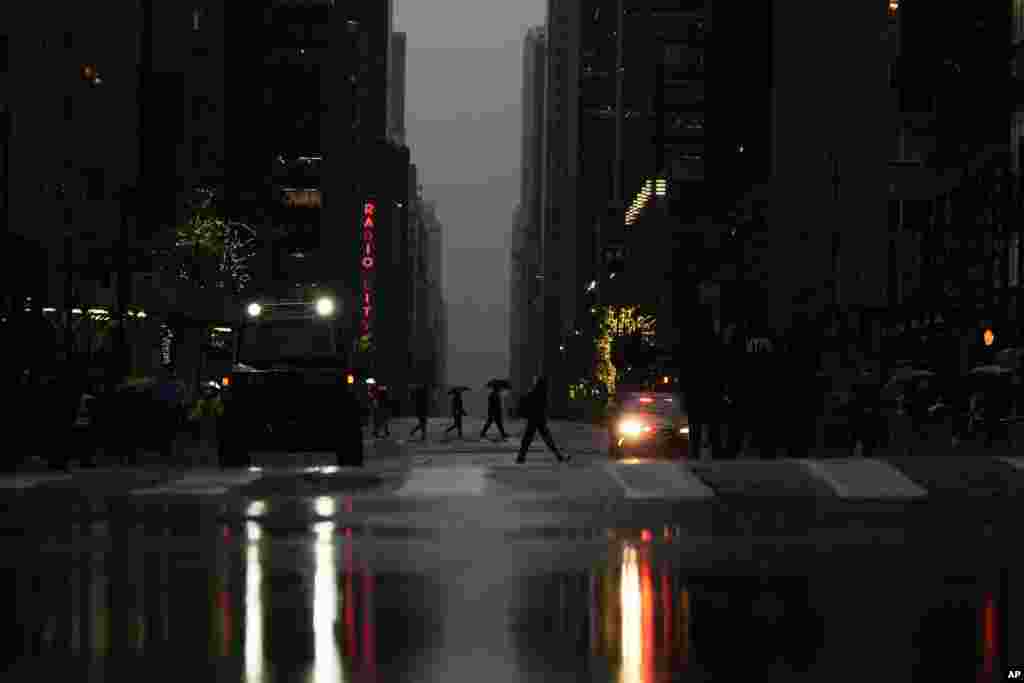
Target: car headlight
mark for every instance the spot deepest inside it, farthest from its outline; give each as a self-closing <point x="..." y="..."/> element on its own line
<point x="631" y="427"/>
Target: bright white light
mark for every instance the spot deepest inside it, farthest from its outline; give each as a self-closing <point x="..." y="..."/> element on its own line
<point x="330" y="469"/>
<point x="256" y="508"/>
<point x="592" y="286"/>
<point x="49" y="310"/>
<point x="684" y="430"/>
<point x="631" y="427"/>
<point x="253" y="613"/>
<point x="631" y="609"/>
<point x="140" y="314"/>
<point x="370" y="380"/>
<point x="222" y="329"/>
<point x="325" y="306"/>
<point x="325" y="506"/>
<point x="254" y="310"/>
<point x="255" y="469"/>
<point x="327" y="663"/>
<point x="253" y="531"/>
<point x="76" y="311"/>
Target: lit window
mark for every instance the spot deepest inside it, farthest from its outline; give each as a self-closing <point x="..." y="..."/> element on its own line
<point x="894" y="6"/>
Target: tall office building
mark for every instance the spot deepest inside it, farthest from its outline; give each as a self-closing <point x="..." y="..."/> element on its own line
<point x="396" y="88"/>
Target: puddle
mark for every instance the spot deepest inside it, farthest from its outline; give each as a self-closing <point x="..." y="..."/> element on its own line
<point x="317" y="603"/>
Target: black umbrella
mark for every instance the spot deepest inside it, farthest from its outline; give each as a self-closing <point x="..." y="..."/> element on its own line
<point x="499" y="384"/>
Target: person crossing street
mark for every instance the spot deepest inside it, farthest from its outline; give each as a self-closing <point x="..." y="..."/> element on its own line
<point x="536" y="413"/>
<point x="494" y="413"/>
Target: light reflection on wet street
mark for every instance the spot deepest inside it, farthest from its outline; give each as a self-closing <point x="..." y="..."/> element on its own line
<point x="269" y="600"/>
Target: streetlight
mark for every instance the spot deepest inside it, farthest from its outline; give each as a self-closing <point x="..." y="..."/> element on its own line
<point x="988" y="336"/>
<point x="254" y="310"/>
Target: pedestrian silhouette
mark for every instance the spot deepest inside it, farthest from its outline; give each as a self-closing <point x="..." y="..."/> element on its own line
<point x="458" y="411"/>
<point x="537" y="421"/>
<point x="421" y="401"/>
<point x="381" y="412"/>
<point x="170" y="399"/>
<point x="494" y="413"/>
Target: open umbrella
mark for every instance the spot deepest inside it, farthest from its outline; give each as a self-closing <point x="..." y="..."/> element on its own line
<point x="499" y="384"/>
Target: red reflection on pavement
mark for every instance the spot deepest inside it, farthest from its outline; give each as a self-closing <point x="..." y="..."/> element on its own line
<point x="988" y="630"/>
<point x="369" y="630"/>
<point x="224" y="602"/>
<point x="666" y="610"/>
<point x="350" y="612"/>
<point x="647" y="604"/>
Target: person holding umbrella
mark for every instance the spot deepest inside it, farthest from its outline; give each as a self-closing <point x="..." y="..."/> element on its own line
<point x="537" y="421"/>
<point x="458" y="410"/>
<point x="494" y="409"/>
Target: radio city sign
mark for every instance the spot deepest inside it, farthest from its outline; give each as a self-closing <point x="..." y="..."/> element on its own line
<point x="369" y="261"/>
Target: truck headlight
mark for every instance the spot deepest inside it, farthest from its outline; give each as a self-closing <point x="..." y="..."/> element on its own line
<point x="325" y="306"/>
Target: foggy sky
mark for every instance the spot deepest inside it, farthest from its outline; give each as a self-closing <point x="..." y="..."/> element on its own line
<point x="463" y="122"/>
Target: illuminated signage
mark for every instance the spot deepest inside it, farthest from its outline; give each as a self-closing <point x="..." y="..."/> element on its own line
<point x="368" y="261"/>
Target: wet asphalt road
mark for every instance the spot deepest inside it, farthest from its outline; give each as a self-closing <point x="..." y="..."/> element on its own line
<point x="313" y="585"/>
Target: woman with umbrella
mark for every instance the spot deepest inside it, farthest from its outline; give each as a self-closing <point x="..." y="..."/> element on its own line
<point x="494" y="408"/>
<point x="458" y="410"/>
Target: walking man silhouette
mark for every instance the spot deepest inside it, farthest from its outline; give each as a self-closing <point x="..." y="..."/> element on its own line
<point x="494" y="414"/>
<point x="457" y="413"/>
<point x="537" y="421"/>
<point x="421" y="399"/>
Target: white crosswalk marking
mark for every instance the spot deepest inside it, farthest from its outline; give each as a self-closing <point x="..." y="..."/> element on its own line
<point x="203" y="483"/>
<point x="28" y="481"/>
<point x="658" y="480"/>
<point x="1015" y="462"/>
<point x="445" y="481"/>
<point x="865" y="478"/>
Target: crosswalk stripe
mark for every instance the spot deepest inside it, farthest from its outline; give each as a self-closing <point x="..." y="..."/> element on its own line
<point x="663" y="480"/>
<point x="445" y="481"/>
<point x="864" y="478"/>
<point x="27" y="482"/>
<point x="1015" y="462"/>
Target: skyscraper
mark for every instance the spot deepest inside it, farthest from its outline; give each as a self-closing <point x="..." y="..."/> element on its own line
<point x="396" y="88"/>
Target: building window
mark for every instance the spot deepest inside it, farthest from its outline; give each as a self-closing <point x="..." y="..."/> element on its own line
<point x="197" y="15"/>
<point x="68" y="108"/>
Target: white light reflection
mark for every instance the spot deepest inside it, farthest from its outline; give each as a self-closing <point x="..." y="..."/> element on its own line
<point x="257" y="508"/>
<point x="325" y="506"/>
<point x="331" y="469"/>
<point x="632" y="627"/>
<point x="327" y="655"/>
<point x="253" y="606"/>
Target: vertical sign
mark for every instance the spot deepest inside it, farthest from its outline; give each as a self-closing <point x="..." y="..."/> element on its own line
<point x="368" y="263"/>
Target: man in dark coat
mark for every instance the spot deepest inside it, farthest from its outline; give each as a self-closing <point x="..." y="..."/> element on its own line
<point x="537" y="421"/>
<point x="458" y="411"/>
<point x="421" y="400"/>
<point x="494" y="415"/>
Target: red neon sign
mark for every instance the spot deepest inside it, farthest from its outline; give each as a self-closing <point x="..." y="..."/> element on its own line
<point x="368" y="261"/>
